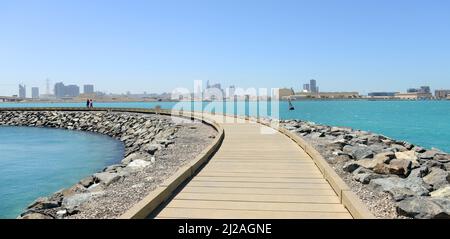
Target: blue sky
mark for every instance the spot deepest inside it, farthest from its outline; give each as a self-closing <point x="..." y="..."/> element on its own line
<point x="155" y="46"/>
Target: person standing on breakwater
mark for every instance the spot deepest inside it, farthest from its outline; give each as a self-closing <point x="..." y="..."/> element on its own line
<point x="91" y="103"/>
<point x="88" y="103"/>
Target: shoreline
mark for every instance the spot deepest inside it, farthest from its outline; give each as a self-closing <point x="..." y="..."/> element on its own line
<point x="155" y="147"/>
<point x="395" y="179"/>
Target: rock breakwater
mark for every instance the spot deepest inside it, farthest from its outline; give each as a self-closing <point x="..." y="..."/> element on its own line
<point x="155" y="147"/>
<point x="394" y="178"/>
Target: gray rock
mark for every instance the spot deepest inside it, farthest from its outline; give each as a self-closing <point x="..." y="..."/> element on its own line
<point x="358" y="152"/>
<point x="78" y="199"/>
<point x="107" y="178"/>
<point x="35" y="215"/>
<point x="437" y="178"/>
<point x="424" y="208"/>
<point x="87" y="181"/>
<point x="134" y="156"/>
<point x="350" y="166"/>
<point x="429" y="154"/>
<point x="394" y="185"/>
<point x="138" y="164"/>
<point x="43" y="203"/>
<point x="151" y="148"/>
<point x="365" y="178"/>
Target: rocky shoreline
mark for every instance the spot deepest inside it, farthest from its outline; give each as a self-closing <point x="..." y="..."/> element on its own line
<point x="155" y="147"/>
<point x="395" y="179"/>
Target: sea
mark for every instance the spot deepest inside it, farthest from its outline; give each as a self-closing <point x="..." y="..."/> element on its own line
<point x="36" y="162"/>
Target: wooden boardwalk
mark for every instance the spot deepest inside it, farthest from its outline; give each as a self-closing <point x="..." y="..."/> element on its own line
<point x="256" y="175"/>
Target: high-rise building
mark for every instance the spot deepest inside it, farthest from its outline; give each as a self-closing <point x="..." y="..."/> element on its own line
<point x="35" y="92"/>
<point x="231" y="91"/>
<point x="306" y="88"/>
<point x="412" y="90"/>
<point x="22" y="91"/>
<point x="72" y="91"/>
<point x="313" y="86"/>
<point x="60" y="90"/>
<point x="88" y="89"/>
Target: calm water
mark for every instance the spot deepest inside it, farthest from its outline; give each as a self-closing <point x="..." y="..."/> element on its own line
<point x="36" y="162"/>
<point x="426" y="123"/>
<point x="53" y="159"/>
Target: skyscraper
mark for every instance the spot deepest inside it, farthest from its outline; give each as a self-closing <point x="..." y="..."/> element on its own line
<point x="60" y="90"/>
<point x="88" y="89"/>
<point x="22" y="91"/>
<point x="306" y="87"/>
<point x="72" y="91"/>
<point x="313" y="86"/>
<point x="35" y="92"/>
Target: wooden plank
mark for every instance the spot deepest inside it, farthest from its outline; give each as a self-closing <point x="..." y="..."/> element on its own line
<point x="262" y="191"/>
<point x="260" y="185"/>
<point x="259" y="206"/>
<point x="259" y="179"/>
<point x="258" y="198"/>
<point x="195" y="213"/>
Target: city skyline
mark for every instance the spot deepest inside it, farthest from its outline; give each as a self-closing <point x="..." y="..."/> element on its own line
<point x="155" y="48"/>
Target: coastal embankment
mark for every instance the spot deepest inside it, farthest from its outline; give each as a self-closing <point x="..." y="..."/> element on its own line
<point x="155" y="147"/>
<point x="395" y="179"/>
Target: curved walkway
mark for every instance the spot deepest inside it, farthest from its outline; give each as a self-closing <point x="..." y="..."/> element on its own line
<point x="256" y="175"/>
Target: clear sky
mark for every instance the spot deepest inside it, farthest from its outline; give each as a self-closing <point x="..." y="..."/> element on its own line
<point x="155" y="46"/>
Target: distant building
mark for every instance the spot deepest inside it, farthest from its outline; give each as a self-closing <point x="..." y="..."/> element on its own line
<point x="306" y="88"/>
<point x="382" y="95"/>
<point x="412" y="90"/>
<point x="441" y="94"/>
<point x="22" y="91"/>
<point x="414" y="96"/>
<point x="313" y="86"/>
<point x="327" y="95"/>
<point x="35" y="92"/>
<point x="88" y="89"/>
<point x="425" y="90"/>
<point x="72" y="91"/>
<point x="62" y="90"/>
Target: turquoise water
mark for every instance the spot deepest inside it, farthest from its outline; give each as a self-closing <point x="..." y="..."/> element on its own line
<point x="36" y="162"/>
<point x="425" y="123"/>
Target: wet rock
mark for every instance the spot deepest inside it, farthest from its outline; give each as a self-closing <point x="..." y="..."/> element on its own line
<point x="424" y="208"/>
<point x="437" y="178"/>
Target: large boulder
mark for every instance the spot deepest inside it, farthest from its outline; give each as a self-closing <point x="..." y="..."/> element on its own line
<point x="430" y="154"/>
<point x="43" y="203"/>
<point x="107" y="178"/>
<point x="400" y="188"/>
<point x="135" y="156"/>
<point x="365" y="178"/>
<point x="35" y="215"/>
<point x="443" y="192"/>
<point x="424" y="208"/>
<point x="76" y="200"/>
<point x="358" y="152"/>
<point x="380" y="158"/>
<point x="437" y="178"/>
<point x="409" y="156"/>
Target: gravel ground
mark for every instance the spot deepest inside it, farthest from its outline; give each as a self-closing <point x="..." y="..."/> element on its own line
<point x="191" y="139"/>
